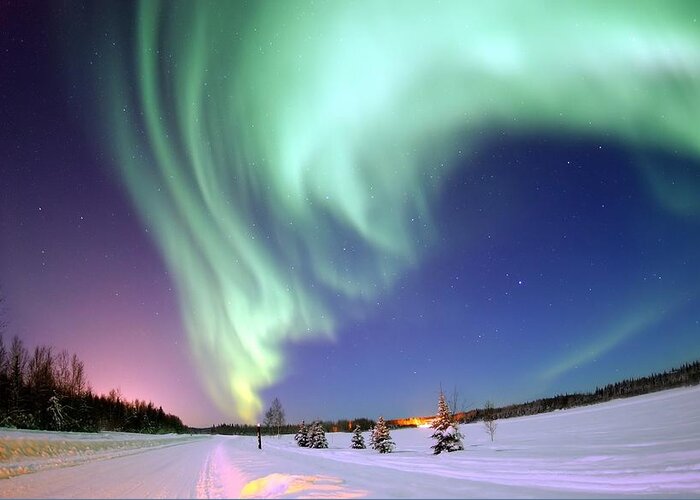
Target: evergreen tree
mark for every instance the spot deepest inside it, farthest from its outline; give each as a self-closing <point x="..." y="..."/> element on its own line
<point x="302" y="436"/>
<point x="358" y="442"/>
<point x="446" y="432"/>
<point x="318" y="436"/>
<point x="56" y="411"/>
<point x="371" y="437"/>
<point x="381" y="439"/>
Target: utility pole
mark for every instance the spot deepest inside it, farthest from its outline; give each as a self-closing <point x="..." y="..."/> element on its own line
<point x="259" y="438"/>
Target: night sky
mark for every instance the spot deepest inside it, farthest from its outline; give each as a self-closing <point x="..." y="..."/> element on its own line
<point x="346" y="206"/>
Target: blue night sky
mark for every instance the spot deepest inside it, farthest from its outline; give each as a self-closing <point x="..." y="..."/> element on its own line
<point x="346" y="207"/>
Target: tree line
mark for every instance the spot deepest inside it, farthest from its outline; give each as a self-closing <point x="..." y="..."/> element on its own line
<point x="48" y="390"/>
<point x="684" y="375"/>
<point x="343" y="425"/>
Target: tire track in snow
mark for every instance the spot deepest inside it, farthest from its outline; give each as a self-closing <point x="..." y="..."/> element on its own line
<point x="219" y="477"/>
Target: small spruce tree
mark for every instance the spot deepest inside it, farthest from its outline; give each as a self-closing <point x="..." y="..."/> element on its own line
<point x="302" y="436"/>
<point x="358" y="442"/>
<point x="446" y="432"/>
<point x="381" y="438"/>
<point x="317" y="438"/>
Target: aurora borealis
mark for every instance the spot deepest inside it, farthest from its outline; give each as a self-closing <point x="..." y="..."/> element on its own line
<point x="517" y="181"/>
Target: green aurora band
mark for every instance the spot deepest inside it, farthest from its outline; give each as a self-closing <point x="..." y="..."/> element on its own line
<point x="286" y="152"/>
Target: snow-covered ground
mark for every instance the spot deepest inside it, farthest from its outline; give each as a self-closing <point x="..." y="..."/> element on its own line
<point x="645" y="446"/>
<point x="24" y="452"/>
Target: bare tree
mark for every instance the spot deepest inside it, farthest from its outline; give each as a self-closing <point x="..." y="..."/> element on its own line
<point x="490" y="423"/>
<point x="115" y="395"/>
<point x="17" y="371"/>
<point x="274" y="416"/>
<point x="61" y="371"/>
<point x="5" y="395"/>
<point x="40" y="369"/>
<point x="78" y="385"/>
<point x="456" y="403"/>
<point x="4" y="355"/>
<point x="3" y="314"/>
<point x="4" y="360"/>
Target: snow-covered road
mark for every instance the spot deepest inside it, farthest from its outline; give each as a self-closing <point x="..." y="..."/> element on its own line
<point x="168" y="471"/>
<point x="647" y="446"/>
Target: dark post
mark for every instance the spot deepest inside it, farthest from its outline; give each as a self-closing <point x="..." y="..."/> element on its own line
<point x="259" y="439"/>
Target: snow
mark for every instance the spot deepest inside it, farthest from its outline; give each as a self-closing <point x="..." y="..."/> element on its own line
<point x="647" y="446"/>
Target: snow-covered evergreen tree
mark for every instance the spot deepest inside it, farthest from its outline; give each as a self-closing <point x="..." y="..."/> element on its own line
<point x="358" y="442"/>
<point x="56" y="410"/>
<point x="302" y="436"/>
<point x="446" y="432"/>
<point x="381" y="439"/>
<point x="317" y="437"/>
<point x="371" y="437"/>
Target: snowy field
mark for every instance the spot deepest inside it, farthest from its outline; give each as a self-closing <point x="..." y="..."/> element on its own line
<point x="648" y="446"/>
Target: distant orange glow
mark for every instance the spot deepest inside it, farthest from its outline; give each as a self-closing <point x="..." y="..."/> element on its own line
<point x="412" y="422"/>
<point x="460" y="417"/>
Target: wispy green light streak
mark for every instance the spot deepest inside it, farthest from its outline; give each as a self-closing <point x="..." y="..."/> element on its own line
<point x="262" y="143"/>
<point x="626" y="326"/>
